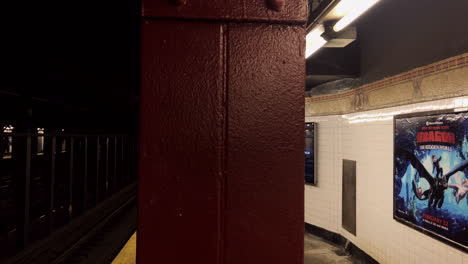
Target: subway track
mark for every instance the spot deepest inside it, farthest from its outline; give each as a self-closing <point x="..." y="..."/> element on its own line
<point x="104" y="242"/>
<point x="61" y="192"/>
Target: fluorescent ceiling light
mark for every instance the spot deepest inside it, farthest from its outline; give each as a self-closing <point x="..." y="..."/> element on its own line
<point x="358" y="10"/>
<point x="314" y="40"/>
<point x="344" y="6"/>
<point x="312" y="48"/>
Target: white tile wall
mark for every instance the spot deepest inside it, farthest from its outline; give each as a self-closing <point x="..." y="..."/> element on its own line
<point x="367" y="137"/>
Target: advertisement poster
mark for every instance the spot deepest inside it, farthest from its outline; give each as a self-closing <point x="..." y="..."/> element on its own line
<point x="431" y="175"/>
<point x="309" y="152"/>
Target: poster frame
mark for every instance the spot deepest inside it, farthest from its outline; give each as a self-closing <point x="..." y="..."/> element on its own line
<point x="314" y="183"/>
<point x="429" y="233"/>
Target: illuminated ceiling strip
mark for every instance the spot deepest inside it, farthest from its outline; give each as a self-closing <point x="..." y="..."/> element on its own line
<point x="358" y="10"/>
<point x="313" y="47"/>
<point x="350" y="10"/>
<point x="314" y="40"/>
<point x="382" y="116"/>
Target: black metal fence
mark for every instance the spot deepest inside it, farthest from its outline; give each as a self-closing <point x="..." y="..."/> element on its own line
<point x="46" y="180"/>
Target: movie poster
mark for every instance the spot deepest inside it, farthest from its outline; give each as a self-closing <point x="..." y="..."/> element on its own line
<point x="431" y="175"/>
<point x="309" y="152"/>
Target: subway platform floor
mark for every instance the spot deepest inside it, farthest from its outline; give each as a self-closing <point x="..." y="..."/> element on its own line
<point x="320" y="251"/>
<point x="316" y="251"/>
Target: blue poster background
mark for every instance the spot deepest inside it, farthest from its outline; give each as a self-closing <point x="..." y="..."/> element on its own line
<point x="431" y="171"/>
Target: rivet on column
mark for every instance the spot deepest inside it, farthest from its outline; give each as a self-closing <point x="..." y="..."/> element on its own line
<point x="276" y="5"/>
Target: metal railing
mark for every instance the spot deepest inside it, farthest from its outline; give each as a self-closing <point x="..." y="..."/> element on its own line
<point x="46" y="180"/>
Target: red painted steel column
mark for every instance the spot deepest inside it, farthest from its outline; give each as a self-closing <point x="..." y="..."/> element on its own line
<point x="221" y="169"/>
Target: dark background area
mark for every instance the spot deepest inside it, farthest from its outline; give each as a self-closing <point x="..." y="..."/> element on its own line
<point x="71" y="64"/>
<point x="399" y="35"/>
<point x="74" y="64"/>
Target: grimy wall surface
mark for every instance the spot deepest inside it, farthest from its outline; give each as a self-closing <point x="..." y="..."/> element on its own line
<point x="221" y="169"/>
<point x="367" y="138"/>
<point x="400" y="35"/>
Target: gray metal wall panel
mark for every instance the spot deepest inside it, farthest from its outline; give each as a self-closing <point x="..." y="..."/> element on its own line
<point x="348" y="220"/>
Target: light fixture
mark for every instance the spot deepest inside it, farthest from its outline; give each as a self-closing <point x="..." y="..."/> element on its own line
<point x="360" y="8"/>
<point x="348" y="10"/>
<point x="8" y="129"/>
<point x="343" y="7"/>
<point x="314" y="40"/>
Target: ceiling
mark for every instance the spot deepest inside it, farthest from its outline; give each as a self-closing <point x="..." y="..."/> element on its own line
<point x="330" y="64"/>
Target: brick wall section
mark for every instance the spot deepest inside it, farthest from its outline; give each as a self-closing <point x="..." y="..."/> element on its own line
<point x="448" y="72"/>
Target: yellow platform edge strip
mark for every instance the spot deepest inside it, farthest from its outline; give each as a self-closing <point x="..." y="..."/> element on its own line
<point x="128" y="254"/>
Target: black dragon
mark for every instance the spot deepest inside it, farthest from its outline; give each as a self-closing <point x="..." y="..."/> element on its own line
<point x="438" y="185"/>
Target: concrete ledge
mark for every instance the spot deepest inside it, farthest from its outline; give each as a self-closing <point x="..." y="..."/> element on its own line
<point x="441" y="80"/>
<point x="338" y="239"/>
